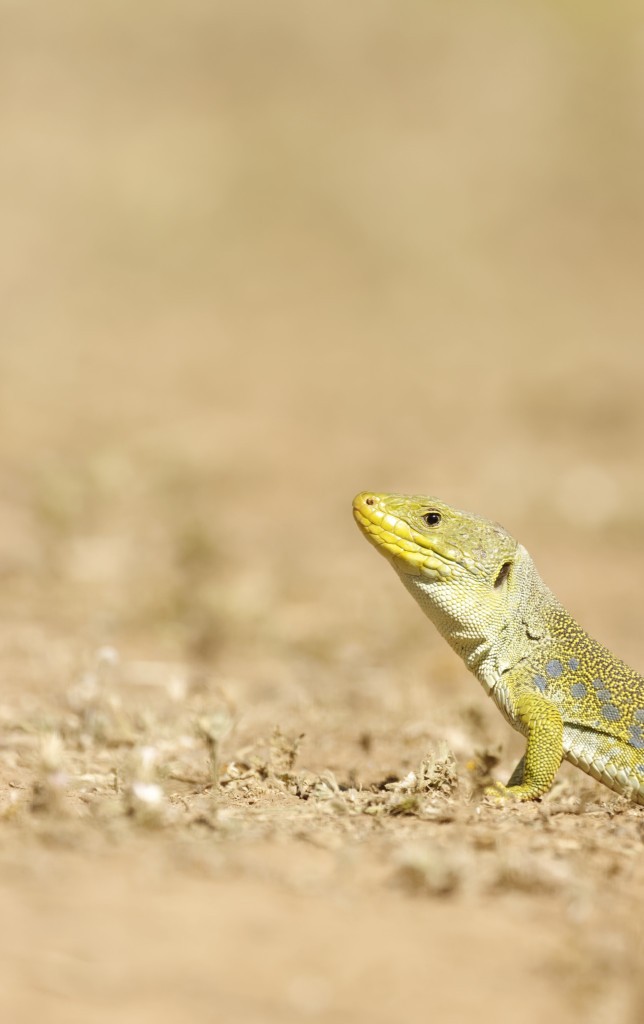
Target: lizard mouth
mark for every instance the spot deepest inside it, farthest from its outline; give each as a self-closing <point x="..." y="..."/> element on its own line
<point x="410" y="551"/>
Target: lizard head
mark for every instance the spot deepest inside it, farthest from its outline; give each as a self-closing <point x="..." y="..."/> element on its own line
<point x="457" y="565"/>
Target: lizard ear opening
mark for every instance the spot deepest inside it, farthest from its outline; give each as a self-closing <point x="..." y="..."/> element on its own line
<point x="503" y="574"/>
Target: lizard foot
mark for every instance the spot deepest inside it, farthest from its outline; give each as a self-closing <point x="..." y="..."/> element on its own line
<point x="500" y="794"/>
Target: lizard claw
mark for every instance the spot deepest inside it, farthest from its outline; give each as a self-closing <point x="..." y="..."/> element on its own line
<point x="497" y="793"/>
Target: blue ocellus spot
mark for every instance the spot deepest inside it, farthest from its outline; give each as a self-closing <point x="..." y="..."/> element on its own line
<point x="554" y="668"/>
<point x="603" y="695"/>
<point x="573" y="664"/>
<point x="639" y="715"/>
<point x="540" y="683"/>
<point x="598" y="684"/>
<point x="578" y="690"/>
<point x="610" y="712"/>
<point x="635" y="737"/>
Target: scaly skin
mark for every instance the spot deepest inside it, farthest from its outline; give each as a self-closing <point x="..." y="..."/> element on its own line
<point x="566" y="693"/>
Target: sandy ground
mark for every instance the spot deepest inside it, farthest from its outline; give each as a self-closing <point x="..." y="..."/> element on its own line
<point x="256" y="258"/>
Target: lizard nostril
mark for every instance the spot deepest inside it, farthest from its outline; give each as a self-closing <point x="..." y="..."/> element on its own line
<point x="369" y="501"/>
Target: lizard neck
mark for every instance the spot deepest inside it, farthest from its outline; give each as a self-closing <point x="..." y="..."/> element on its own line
<point x="521" y="627"/>
<point x="492" y="630"/>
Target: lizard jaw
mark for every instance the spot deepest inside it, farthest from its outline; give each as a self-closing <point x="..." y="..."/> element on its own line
<point x="409" y="551"/>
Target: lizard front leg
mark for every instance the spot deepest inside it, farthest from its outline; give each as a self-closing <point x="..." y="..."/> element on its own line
<point x="536" y="771"/>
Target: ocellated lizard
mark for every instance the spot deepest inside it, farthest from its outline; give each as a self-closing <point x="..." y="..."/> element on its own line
<point x="564" y="691"/>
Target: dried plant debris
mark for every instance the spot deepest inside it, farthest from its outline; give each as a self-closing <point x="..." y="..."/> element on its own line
<point x="213" y="730"/>
<point x="143" y="796"/>
<point x="51" y="782"/>
<point x="437" y="772"/>
<point x="95" y="703"/>
<point x="284" y="751"/>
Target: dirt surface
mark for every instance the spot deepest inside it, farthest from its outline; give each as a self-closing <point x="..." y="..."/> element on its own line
<point x="256" y="258"/>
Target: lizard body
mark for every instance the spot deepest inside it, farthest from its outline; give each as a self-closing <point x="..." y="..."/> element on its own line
<point x="570" y="697"/>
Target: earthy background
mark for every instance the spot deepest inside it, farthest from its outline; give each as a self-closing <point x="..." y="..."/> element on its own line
<point x="256" y="257"/>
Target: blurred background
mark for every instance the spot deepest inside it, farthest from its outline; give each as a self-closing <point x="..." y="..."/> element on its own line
<point x="256" y="257"/>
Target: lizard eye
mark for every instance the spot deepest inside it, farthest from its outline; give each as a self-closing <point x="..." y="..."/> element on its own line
<point x="432" y="518"/>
